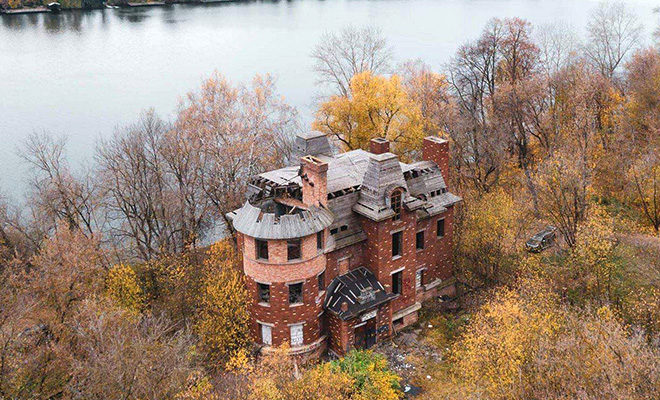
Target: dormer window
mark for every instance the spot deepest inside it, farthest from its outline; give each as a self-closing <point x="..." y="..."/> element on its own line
<point x="395" y="204"/>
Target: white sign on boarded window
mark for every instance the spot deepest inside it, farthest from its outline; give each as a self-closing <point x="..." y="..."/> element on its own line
<point x="296" y="335"/>
<point x="266" y="335"/>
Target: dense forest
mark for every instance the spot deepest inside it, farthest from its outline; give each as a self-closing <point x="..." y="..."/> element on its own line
<point x="114" y="284"/>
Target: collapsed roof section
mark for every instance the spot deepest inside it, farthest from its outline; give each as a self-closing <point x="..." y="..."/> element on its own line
<point x="359" y="183"/>
<point x="355" y="292"/>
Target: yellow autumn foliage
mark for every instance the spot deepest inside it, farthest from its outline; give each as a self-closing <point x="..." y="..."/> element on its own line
<point x="502" y="341"/>
<point x="123" y="287"/>
<point x="376" y="106"/>
<point x="223" y="319"/>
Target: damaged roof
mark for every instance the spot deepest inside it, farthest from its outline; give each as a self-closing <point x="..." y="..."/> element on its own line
<point x="359" y="289"/>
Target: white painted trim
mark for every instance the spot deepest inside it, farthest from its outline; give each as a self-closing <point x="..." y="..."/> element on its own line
<point x="265" y="323"/>
<point x="397" y="270"/>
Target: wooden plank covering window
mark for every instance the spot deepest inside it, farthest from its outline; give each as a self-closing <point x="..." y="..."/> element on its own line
<point x="296" y="335"/>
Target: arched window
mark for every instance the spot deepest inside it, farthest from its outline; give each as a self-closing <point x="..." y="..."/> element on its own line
<point x="395" y="204"/>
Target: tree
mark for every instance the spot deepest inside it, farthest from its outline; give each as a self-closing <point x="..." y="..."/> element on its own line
<point x="59" y="196"/>
<point x="376" y="107"/>
<point x="613" y="32"/>
<point x="489" y="235"/>
<point x="592" y="254"/>
<point x="351" y="51"/>
<point x="122" y="355"/>
<point x="430" y="91"/>
<point x="238" y="131"/>
<point x="223" y="319"/>
<point x="479" y="151"/>
<point x="123" y="288"/>
<point x="496" y="355"/>
<point x="564" y="183"/>
<point x="644" y="177"/>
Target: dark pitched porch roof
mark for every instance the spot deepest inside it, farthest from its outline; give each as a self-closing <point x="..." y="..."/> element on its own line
<point x="358" y="288"/>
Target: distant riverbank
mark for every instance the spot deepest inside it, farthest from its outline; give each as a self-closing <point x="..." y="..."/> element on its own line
<point x="10" y="7"/>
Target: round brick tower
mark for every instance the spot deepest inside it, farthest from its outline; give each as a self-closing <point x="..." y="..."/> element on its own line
<point x="283" y="239"/>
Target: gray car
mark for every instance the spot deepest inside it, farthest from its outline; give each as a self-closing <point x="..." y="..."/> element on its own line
<point x="542" y="240"/>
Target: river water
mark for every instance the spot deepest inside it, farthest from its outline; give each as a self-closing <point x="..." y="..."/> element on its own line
<point x="81" y="74"/>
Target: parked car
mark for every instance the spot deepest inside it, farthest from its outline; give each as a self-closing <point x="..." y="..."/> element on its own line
<point x="542" y="240"/>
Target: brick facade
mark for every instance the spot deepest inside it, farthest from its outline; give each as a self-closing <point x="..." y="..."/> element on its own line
<point x="372" y="250"/>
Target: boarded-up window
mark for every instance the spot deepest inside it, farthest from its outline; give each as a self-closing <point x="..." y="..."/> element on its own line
<point x="296" y="335"/>
<point x="266" y="335"/>
<point x="419" y="278"/>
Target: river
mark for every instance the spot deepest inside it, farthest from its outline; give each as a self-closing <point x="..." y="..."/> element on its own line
<point x="83" y="73"/>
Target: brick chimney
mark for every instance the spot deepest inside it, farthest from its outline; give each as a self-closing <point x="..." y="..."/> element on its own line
<point x="344" y="306"/>
<point x="314" y="174"/>
<point x="379" y="146"/>
<point x="436" y="149"/>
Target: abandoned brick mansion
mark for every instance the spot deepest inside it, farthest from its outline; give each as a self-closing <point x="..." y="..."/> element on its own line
<point x="340" y="250"/>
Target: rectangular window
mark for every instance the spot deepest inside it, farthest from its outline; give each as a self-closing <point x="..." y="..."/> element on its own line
<point x="293" y="249"/>
<point x="333" y="231"/>
<point x="295" y="293"/>
<point x="396" y="244"/>
<point x="266" y="335"/>
<point x="296" y="335"/>
<point x="320" y="241"/>
<point x="396" y="282"/>
<point x="419" y="278"/>
<point x="262" y="249"/>
<point x="419" y="240"/>
<point x="322" y="281"/>
<point x="264" y="292"/>
<point x="441" y="227"/>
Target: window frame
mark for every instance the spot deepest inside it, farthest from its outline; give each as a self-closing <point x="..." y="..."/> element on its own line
<point x="291" y="286"/>
<point x="293" y="244"/>
<point x="417" y="242"/>
<point x="396" y="202"/>
<point x="268" y="328"/>
<point x="397" y="282"/>
<point x="321" y="281"/>
<point x="260" y="285"/>
<point x="419" y="278"/>
<point x="258" y="243"/>
<point x="397" y="251"/>
<point x="320" y="241"/>
<point x="440" y="222"/>
<point x="301" y="328"/>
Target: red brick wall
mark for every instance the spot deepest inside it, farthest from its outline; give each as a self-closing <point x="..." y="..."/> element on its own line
<point x="379" y="255"/>
<point x="437" y="149"/>
<point x="277" y="272"/>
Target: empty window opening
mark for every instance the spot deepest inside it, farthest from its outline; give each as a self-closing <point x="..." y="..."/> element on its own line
<point x="395" y="204"/>
<point x="293" y="249"/>
<point x="320" y="241"/>
<point x="441" y="227"/>
<point x="397" y="282"/>
<point x="321" y="281"/>
<point x="295" y="293"/>
<point x="264" y="292"/>
<point x="396" y="244"/>
<point x="419" y="240"/>
<point x="262" y="249"/>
